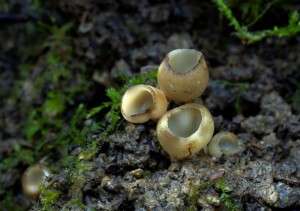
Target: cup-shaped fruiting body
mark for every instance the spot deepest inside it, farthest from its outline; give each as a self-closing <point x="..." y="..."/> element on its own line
<point x="143" y="102"/>
<point x="183" y="75"/>
<point x="223" y="143"/>
<point x="32" y="178"/>
<point x="185" y="130"/>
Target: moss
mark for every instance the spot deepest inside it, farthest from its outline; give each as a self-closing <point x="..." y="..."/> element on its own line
<point x="77" y="171"/>
<point x="47" y="95"/>
<point x="246" y="36"/>
<point x="203" y="188"/>
<point x="196" y="192"/>
<point x="193" y="197"/>
<point x="20" y="155"/>
<point x="89" y="152"/>
<point x="48" y="197"/>
<point x="225" y="197"/>
<point x="54" y="105"/>
<point x="8" y="201"/>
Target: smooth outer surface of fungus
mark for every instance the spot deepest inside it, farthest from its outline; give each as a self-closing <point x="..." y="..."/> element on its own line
<point x="32" y="178"/>
<point x="185" y="130"/>
<point x="143" y="102"/>
<point x="223" y="143"/>
<point x="183" y="75"/>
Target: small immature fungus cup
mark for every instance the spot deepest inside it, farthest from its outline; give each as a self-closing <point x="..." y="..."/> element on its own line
<point x="223" y="143"/>
<point x="183" y="75"/>
<point x="185" y="130"/>
<point x="143" y="102"/>
<point x="32" y="178"/>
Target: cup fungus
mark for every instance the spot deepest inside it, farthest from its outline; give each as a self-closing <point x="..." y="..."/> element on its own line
<point x="223" y="143"/>
<point x="183" y="131"/>
<point x="183" y="75"/>
<point x="32" y="178"/>
<point x="143" y="102"/>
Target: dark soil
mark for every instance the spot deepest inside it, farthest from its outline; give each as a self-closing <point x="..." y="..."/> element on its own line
<point x="253" y="92"/>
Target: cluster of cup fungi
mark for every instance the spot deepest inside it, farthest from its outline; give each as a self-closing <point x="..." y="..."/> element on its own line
<point x="185" y="130"/>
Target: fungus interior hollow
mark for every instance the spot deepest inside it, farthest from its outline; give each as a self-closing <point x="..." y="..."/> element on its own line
<point x="227" y="144"/>
<point x="138" y="102"/>
<point x="185" y="122"/>
<point x="36" y="176"/>
<point x="183" y="60"/>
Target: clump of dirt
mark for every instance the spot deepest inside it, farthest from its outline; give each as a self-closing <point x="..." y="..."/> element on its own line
<point x="133" y="172"/>
<point x="245" y="96"/>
